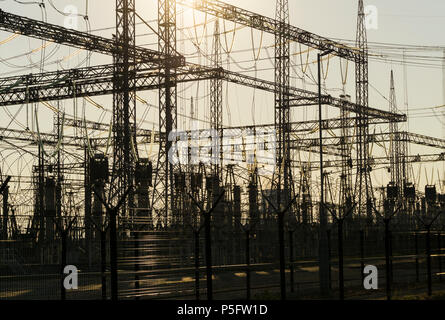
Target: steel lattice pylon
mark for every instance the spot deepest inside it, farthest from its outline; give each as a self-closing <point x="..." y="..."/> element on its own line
<point x="216" y="103"/>
<point x="346" y="162"/>
<point x="363" y="186"/>
<point x="124" y="102"/>
<point x="162" y="201"/>
<point x="397" y="146"/>
<point x="282" y="123"/>
<point x="282" y="104"/>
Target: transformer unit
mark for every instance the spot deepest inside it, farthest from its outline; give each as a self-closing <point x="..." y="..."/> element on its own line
<point x="392" y="191"/>
<point x="409" y="191"/>
<point x="99" y="168"/>
<point x="144" y="172"/>
<point x="50" y="197"/>
<point x="430" y="193"/>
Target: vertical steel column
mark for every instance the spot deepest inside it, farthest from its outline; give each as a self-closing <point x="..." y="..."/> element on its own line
<point x="291" y="260"/>
<point x="428" y="260"/>
<point x="341" y="278"/>
<point x="163" y="201"/>
<point x="87" y="207"/>
<point x="397" y="155"/>
<point x="247" y="232"/>
<point x="363" y="186"/>
<point x="324" y="268"/>
<point x="124" y="103"/>
<point x="416" y="243"/>
<point x="282" y="126"/>
<point x="4" y="233"/>
<point x="216" y="103"/>
<point x="196" y="237"/>
<point x="113" y="253"/>
<point x="346" y="168"/>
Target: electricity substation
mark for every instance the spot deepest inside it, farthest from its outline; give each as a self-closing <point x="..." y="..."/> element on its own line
<point x="201" y="154"/>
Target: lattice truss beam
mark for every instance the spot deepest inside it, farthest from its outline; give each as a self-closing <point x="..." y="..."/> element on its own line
<point x="45" y="31"/>
<point x="97" y="81"/>
<point x="259" y="22"/>
<point x="332" y="145"/>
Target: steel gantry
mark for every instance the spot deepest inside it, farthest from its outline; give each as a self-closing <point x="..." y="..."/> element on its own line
<point x="216" y="102"/>
<point x="124" y="103"/>
<point x="269" y="25"/>
<point x="162" y="201"/>
<point x="363" y="185"/>
<point x="45" y="31"/>
<point x="283" y="175"/>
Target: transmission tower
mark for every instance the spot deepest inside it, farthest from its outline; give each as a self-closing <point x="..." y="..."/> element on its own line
<point x="363" y="186"/>
<point x="282" y="121"/>
<point x="124" y="101"/>
<point x="397" y="150"/>
<point x="346" y="168"/>
<point x="216" y="103"/>
<point x="164" y="180"/>
<point x="282" y="105"/>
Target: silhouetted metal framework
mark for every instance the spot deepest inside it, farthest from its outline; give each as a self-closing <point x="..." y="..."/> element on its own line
<point x="346" y="196"/>
<point x="149" y="136"/>
<point x="331" y="144"/>
<point x="84" y="82"/>
<point x="164" y="179"/>
<point x="12" y="135"/>
<point x="51" y="32"/>
<point x="282" y="103"/>
<point x="216" y="102"/>
<point x="124" y="102"/>
<point x="397" y="147"/>
<point x="363" y="186"/>
<point x="282" y="175"/>
<point x="95" y="81"/>
<point x="266" y="24"/>
<point x="407" y="137"/>
<point x="378" y="161"/>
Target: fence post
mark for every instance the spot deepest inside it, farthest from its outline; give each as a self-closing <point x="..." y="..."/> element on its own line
<point x="113" y="253"/>
<point x="196" y="234"/>
<point x="362" y="254"/>
<point x="291" y="258"/>
<point x="62" y="287"/>
<point x="103" y="262"/>
<point x="340" y="260"/>
<point x="248" y="264"/>
<point x="387" y="260"/>
<point x="208" y="249"/>
<point x="428" y="259"/>
<point x="328" y="234"/>
<point x="208" y="242"/>
<point x="417" y="255"/>
<point x="282" y="255"/>
<point x="439" y="250"/>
